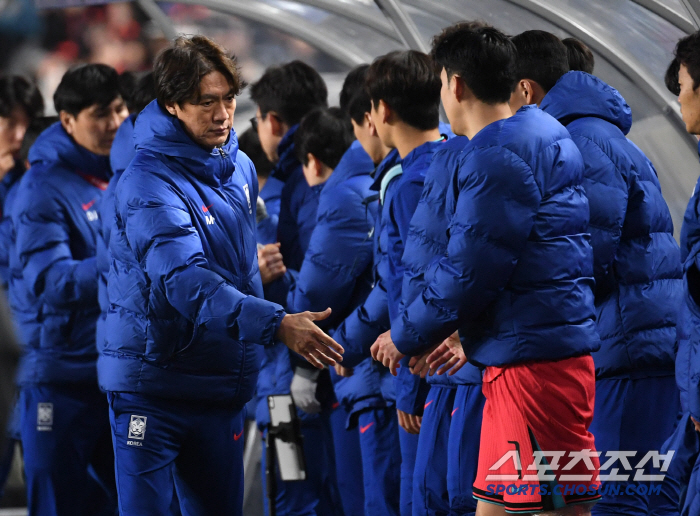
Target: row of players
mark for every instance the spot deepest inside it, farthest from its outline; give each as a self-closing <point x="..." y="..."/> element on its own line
<point x="506" y="255"/>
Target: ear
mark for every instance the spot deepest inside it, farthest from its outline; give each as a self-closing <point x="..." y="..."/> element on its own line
<point x="384" y="111"/>
<point x="370" y="123"/>
<point x="276" y="124"/>
<point x="67" y="121"/>
<point x="315" y="165"/>
<point x="458" y="87"/>
<point x="527" y="90"/>
<point x="170" y="108"/>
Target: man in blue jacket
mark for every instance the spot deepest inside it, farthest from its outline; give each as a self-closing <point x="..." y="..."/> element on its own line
<point x="637" y="264"/>
<point x="53" y="293"/>
<point x="683" y="477"/>
<point x="284" y="95"/>
<point x="515" y="280"/>
<point x="186" y="316"/>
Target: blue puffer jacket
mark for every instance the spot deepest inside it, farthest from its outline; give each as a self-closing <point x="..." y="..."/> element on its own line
<point x="427" y="239"/>
<point x="297" y="219"/>
<point x="56" y="221"/>
<point x="186" y="318"/>
<point x="122" y="152"/>
<point x="518" y="275"/>
<point x="8" y="193"/>
<point x="688" y="358"/>
<point x="637" y="264"/>
<point x="337" y="269"/>
<point x="271" y="193"/>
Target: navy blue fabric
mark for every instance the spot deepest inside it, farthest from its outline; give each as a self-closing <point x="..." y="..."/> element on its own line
<point x="271" y="193"/>
<point x="56" y="221"/>
<point x="409" y="448"/>
<point x="637" y="264"/>
<point x="67" y="445"/>
<point x="622" y="421"/>
<point x="348" y="463"/>
<point x="381" y="460"/>
<point x="122" y="152"/>
<point x="186" y="317"/>
<point x="193" y="447"/>
<point x="427" y="239"/>
<point x="8" y="192"/>
<point x="518" y="274"/>
<point x="430" y="495"/>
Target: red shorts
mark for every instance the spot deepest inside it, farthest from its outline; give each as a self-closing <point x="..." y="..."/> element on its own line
<point x="536" y="453"/>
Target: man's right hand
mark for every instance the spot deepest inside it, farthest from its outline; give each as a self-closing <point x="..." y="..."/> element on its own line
<point x="302" y="336"/>
<point x="409" y="422"/>
<point x="270" y="262"/>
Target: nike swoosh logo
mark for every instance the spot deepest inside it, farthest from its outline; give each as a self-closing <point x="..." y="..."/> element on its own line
<point x="205" y="209"/>
<point x="427" y="404"/>
<point x="237" y="436"/>
<point x="363" y="429"/>
<point x="453" y="412"/>
<point x="88" y="205"/>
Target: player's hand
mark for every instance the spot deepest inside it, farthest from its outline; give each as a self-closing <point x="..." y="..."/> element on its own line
<point x="270" y="263"/>
<point x="448" y="356"/>
<point x="419" y="364"/>
<point x="409" y="422"/>
<point x="345" y="372"/>
<point x="302" y="336"/>
<point x="383" y="350"/>
<point x="696" y="423"/>
<point x="303" y="390"/>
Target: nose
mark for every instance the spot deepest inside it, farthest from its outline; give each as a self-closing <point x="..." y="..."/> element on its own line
<point x="115" y="120"/>
<point x="221" y="113"/>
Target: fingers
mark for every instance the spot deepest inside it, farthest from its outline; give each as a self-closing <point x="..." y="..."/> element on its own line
<point x="413" y="424"/>
<point x="375" y="350"/>
<point x="332" y="347"/>
<point x="394" y="365"/>
<point x="319" y="316"/>
<point x="420" y="367"/>
<point x="447" y="366"/>
<point x="460" y="364"/>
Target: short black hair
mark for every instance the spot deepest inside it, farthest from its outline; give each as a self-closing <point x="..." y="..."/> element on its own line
<point x="580" y="56"/>
<point x="688" y="54"/>
<point x="326" y="133"/>
<point x="85" y="86"/>
<point x="542" y="57"/>
<point x="407" y="82"/>
<point x="484" y="58"/>
<point x="291" y="90"/>
<point x="359" y="103"/>
<point x="143" y="94"/>
<point x="354" y="83"/>
<point x="36" y="127"/>
<point x="671" y="77"/>
<point x="179" y="69"/>
<point x="249" y="142"/>
<point x="18" y="92"/>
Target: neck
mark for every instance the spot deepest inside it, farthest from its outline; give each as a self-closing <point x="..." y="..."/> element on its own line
<point x="478" y="115"/>
<point x="261" y="182"/>
<point x="407" y="138"/>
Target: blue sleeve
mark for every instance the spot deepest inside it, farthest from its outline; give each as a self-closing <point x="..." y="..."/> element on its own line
<point x="411" y="390"/>
<point x="690" y="230"/>
<point x="5" y="242"/>
<point x="339" y="252"/>
<point x="607" y="191"/>
<point x="400" y="211"/>
<point x="361" y="328"/>
<point x="494" y="215"/>
<point x="160" y="232"/>
<point x="43" y="247"/>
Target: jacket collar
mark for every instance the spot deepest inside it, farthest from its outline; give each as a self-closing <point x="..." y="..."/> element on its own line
<point x="288" y="161"/>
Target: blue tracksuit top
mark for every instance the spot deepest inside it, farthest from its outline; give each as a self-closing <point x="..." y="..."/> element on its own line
<point x="186" y="316"/>
<point x="122" y="152"/>
<point x="8" y="192"/>
<point x="271" y="193"/>
<point x="56" y="221"/>
<point x="426" y="240"/>
<point x="517" y="278"/>
<point x="637" y="264"/>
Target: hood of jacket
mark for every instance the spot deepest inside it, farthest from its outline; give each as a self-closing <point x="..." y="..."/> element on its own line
<point x="124" y="145"/>
<point x="578" y="95"/>
<point x="54" y="145"/>
<point x="159" y="132"/>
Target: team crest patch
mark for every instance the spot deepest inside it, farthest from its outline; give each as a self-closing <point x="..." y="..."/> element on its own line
<point x="137" y="429"/>
<point x="44" y="417"/>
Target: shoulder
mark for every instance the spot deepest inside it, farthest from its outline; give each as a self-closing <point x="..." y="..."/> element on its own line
<point x="148" y="180"/>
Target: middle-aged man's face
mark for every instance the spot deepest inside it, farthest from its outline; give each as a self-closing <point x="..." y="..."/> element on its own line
<point x="209" y="120"/>
<point x="689" y="99"/>
<point x="12" y="129"/>
<point x="96" y="126"/>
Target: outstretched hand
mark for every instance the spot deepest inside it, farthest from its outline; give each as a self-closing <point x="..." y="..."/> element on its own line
<point x="302" y="336"/>
<point x="383" y="350"/>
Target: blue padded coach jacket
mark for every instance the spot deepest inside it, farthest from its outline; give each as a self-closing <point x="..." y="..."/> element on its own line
<point x="186" y="319"/>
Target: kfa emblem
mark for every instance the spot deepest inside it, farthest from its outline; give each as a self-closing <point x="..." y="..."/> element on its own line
<point x="247" y="196"/>
<point x="137" y="430"/>
<point x="44" y="417"/>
